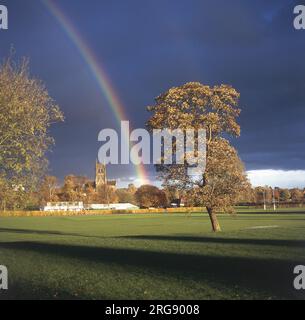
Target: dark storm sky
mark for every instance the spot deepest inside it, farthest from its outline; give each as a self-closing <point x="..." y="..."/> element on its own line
<point x="146" y="47"/>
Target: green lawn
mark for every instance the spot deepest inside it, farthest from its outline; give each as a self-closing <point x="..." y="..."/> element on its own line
<point x="153" y="256"/>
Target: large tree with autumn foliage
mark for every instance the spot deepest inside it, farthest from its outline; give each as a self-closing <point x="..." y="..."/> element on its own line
<point x="215" y="109"/>
<point x="26" y="114"/>
<point x="150" y="196"/>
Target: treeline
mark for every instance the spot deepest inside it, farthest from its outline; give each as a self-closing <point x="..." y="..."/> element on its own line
<point x="80" y="188"/>
<point x="269" y="195"/>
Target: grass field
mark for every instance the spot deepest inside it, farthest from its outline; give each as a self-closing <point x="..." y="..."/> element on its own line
<point x="153" y="256"/>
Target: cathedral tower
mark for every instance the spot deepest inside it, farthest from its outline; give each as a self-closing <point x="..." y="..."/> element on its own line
<point x="100" y="175"/>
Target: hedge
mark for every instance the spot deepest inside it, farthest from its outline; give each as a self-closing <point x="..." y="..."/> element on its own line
<point x="95" y="212"/>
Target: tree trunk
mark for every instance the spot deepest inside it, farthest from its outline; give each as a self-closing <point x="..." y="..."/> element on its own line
<point x="214" y="220"/>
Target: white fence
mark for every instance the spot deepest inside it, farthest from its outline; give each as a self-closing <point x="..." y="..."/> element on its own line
<point x="79" y="206"/>
<point x="112" y="206"/>
<point x="64" y="206"/>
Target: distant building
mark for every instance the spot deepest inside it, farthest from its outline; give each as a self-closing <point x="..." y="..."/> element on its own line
<point x="79" y="206"/>
<point x="101" y="177"/>
<point x="64" y="206"/>
<point x="112" y="206"/>
<point x="177" y="203"/>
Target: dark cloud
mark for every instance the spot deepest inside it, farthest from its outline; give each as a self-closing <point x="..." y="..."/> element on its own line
<point x="147" y="47"/>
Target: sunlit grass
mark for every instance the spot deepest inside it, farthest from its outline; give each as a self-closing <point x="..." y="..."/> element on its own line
<point x="149" y="256"/>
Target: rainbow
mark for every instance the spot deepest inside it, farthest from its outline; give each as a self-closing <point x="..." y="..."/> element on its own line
<point x="97" y="71"/>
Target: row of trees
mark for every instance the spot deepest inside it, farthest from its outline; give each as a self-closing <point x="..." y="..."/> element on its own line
<point x="266" y="194"/>
<point x="78" y="188"/>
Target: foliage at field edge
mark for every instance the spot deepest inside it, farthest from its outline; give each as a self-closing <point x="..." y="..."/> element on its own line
<point x="26" y="114"/>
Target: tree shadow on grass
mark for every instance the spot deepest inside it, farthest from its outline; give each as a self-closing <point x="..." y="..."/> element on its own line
<point x="264" y="242"/>
<point x="28" y="291"/>
<point x="263" y="277"/>
<point x="240" y="241"/>
<point x="39" y="232"/>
